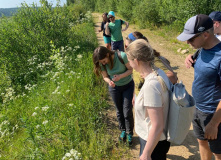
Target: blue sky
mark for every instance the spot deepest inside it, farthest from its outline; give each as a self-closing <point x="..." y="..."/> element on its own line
<point x="17" y="3"/>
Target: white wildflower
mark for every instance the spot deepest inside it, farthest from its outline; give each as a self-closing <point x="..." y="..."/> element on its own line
<point x="45" y="122"/>
<point x="71" y="104"/>
<point x="67" y="90"/>
<point x="79" y="56"/>
<point x="68" y="155"/>
<point x="34" y="114"/>
<point x="37" y="126"/>
<point x="45" y="108"/>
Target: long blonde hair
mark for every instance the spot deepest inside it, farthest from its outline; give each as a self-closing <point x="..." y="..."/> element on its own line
<point x="142" y="51"/>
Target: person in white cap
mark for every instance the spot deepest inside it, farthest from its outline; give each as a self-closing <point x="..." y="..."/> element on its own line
<point x="206" y="88"/>
<point x="216" y="17"/>
<point x="114" y="28"/>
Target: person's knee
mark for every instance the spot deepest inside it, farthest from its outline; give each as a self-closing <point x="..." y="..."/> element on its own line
<point x="203" y="142"/>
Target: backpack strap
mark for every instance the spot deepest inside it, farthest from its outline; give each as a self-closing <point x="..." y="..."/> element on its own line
<point x="166" y="63"/>
<point x="120" y="57"/>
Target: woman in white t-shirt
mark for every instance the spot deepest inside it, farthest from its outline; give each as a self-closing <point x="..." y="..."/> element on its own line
<point x="152" y="102"/>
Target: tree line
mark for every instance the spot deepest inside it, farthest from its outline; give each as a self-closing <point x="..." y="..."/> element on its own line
<point x="8" y="11"/>
<point x="148" y="13"/>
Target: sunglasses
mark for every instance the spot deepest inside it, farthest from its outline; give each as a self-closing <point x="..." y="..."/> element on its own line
<point x="193" y="38"/>
<point x="111" y="17"/>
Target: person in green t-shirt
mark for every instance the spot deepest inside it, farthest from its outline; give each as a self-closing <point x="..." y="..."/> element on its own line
<point x="114" y="28"/>
<point x="116" y="71"/>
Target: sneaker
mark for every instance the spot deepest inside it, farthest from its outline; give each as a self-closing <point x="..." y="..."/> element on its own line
<point x="130" y="139"/>
<point x="122" y="136"/>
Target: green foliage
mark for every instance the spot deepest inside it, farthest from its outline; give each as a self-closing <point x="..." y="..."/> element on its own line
<point x="29" y="32"/>
<point x="8" y="11"/>
<point x="56" y="111"/>
<point x="155" y="12"/>
<point x="125" y="8"/>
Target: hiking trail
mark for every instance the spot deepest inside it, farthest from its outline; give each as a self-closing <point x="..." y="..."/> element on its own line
<point x="189" y="148"/>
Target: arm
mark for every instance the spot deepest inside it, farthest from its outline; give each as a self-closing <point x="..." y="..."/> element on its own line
<point x="156" y="118"/>
<point x="211" y="128"/>
<point x="107" y="29"/>
<point x="127" y="25"/>
<point x="107" y="79"/>
<point x="172" y="76"/>
<point x="125" y="74"/>
<point x="101" y="29"/>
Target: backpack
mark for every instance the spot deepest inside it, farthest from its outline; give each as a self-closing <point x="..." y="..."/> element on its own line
<point x="180" y="114"/>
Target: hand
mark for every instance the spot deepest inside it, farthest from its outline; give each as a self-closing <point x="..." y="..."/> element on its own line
<point x="124" y="29"/>
<point x="145" y="157"/>
<point x="111" y="84"/>
<point x="116" y="78"/>
<point x="133" y="100"/>
<point x="211" y="131"/>
<point x="189" y="61"/>
<point x="107" y="24"/>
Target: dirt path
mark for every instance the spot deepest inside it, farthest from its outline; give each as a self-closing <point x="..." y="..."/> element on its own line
<point x="189" y="149"/>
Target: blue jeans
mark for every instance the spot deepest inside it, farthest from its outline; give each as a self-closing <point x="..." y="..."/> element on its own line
<point x="159" y="152"/>
<point x="118" y="45"/>
<point x="122" y="97"/>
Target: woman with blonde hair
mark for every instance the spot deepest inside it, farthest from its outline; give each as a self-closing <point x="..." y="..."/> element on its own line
<point x="159" y="61"/>
<point x="152" y="102"/>
<point x="116" y="71"/>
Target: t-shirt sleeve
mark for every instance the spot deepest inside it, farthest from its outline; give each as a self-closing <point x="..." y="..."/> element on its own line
<point x="124" y="57"/>
<point x="121" y="21"/>
<point x="152" y="94"/>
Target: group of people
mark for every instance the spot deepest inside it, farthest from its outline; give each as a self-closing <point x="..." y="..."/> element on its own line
<point x="152" y="103"/>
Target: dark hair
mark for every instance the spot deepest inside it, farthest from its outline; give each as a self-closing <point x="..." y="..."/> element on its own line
<point x="105" y="13"/>
<point x="139" y="35"/>
<point x="99" y="54"/>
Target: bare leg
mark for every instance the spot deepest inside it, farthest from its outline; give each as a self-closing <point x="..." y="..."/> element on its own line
<point x="217" y="156"/>
<point x="108" y="46"/>
<point x="205" y="152"/>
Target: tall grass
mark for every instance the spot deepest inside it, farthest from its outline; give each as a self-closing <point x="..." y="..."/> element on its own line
<point x="52" y="104"/>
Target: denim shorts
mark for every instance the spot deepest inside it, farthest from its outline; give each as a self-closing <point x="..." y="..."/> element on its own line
<point x="107" y="39"/>
<point x="118" y="45"/>
<point x="200" y="120"/>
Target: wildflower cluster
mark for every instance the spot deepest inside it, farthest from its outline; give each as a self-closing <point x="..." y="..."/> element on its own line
<point x="38" y="113"/>
<point x="72" y="155"/>
<point x="9" y="95"/>
<point x="29" y="87"/>
<point x="84" y="18"/>
<point x="5" y="129"/>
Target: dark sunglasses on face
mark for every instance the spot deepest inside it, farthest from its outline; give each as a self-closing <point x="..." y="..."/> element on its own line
<point x="110" y="17"/>
<point x="193" y="38"/>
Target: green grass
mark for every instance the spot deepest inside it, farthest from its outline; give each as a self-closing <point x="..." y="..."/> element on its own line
<point x="61" y="113"/>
